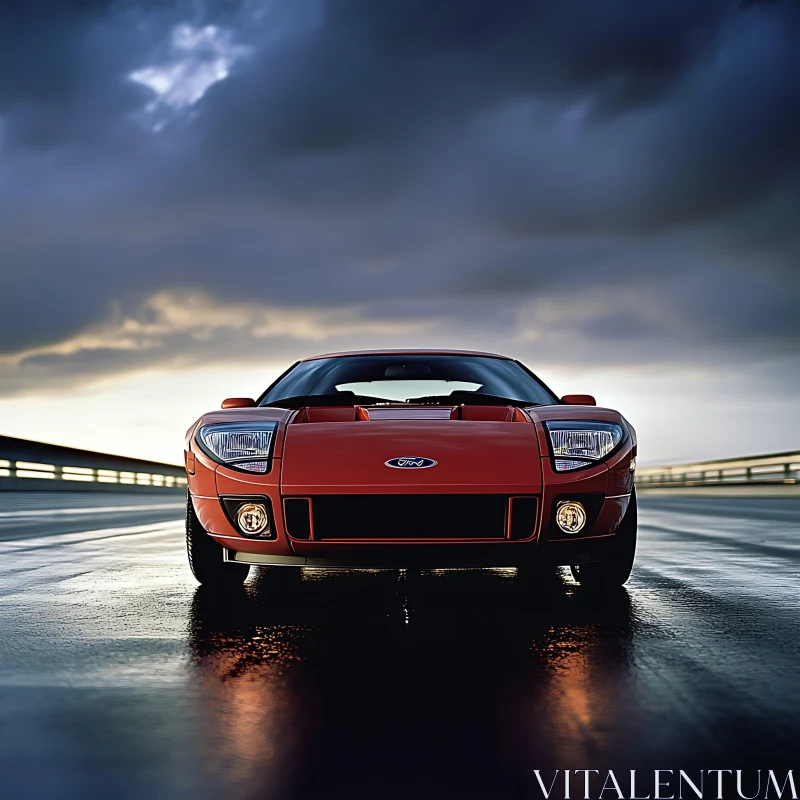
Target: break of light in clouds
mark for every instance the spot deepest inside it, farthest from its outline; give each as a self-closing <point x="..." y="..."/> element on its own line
<point x="198" y="58"/>
<point x="195" y="191"/>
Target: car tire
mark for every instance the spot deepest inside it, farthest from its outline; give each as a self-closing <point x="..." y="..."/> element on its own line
<point x="205" y="556"/>
<point x="616" y="569"/>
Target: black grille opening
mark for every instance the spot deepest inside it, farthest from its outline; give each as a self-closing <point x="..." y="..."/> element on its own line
<point x="523" y="517"/>
<point x="452" y="516"/>
<point x="298" y="517"/>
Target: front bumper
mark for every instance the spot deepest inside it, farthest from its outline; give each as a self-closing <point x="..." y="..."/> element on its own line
<point x="610" y="484"/>
<point x="463" y="556"/>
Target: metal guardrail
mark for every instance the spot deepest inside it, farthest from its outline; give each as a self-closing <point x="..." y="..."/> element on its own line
<point x="27" y="465"/>
<point x="774" y="469"/>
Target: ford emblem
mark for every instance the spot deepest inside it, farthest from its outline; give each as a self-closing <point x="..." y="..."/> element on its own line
<point x="411" y="462"/>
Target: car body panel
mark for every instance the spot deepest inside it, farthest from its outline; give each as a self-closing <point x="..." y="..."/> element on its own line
<point x="335" y="457"/>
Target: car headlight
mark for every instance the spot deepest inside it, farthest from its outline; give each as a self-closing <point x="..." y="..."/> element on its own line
<point x="578" y="444"/>
<point x="241" y="445"/>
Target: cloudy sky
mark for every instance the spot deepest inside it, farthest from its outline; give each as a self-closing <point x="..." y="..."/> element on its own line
<point x="194" y="194"/>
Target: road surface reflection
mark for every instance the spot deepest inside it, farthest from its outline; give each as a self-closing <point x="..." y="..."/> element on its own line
<point x="352" y="683"/>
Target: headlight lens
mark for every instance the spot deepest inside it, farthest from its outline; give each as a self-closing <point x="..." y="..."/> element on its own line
<point x="577" y="444"/>
<point x="242" y="445"/>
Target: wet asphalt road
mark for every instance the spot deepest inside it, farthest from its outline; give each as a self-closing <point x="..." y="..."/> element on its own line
<point x="119" y="678"/>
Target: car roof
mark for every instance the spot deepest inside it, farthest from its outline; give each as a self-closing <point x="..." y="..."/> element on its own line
<point x="402" y="352"/>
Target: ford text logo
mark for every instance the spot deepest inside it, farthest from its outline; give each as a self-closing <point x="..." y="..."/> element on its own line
<point x="410" y="462"/>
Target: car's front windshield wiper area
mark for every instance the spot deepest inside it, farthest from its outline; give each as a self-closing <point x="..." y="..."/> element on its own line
<point x="464" y="397"/>
<point x="335" y="399"/>
<point x="351" y="399"/>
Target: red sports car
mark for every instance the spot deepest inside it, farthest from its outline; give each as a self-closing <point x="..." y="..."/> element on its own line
<point x="411" y="459"/>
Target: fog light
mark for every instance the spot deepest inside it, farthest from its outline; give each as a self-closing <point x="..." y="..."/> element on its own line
<point x="570" y="516"/>
<point x="252" y="518"/>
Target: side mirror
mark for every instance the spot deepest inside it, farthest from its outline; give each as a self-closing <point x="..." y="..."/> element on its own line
<point x="238" y="402"/>
<point x="579" y="400"/>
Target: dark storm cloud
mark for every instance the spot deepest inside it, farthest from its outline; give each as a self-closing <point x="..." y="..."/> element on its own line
<point x="60" y="67"/>
<point x="681" y="110"/>
<point x="374" y="71"/>
<point x="513" y="172"/>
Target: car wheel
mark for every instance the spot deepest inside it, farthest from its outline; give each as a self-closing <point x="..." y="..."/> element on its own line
<point x="205" y="556"/>
<point x="616" y="570"/>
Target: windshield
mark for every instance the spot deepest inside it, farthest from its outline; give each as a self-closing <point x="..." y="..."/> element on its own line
<point x="437" y="379"/>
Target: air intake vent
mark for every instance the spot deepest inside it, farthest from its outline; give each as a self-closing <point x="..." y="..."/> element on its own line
<point x="523" y="517"/>
<point x="420" y="516"/>
<point x="297" y="512"/>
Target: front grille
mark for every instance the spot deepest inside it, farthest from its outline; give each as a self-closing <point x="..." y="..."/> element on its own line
<point x="523" y="517"/>
<point x="298" y="519"/>
<point x="433" y="516"/>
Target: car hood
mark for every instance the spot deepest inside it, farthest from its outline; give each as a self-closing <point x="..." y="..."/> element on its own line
<point x="351" y="456"/>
